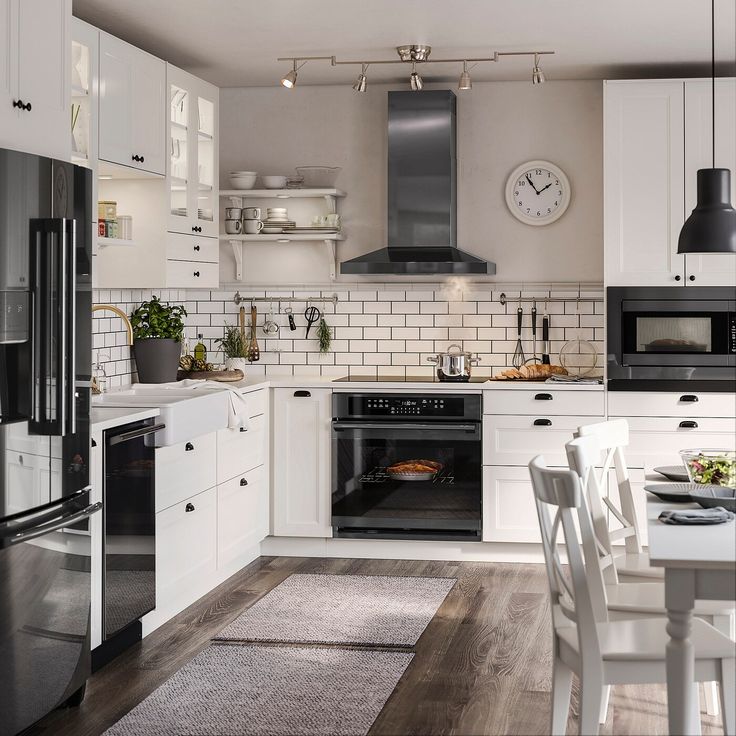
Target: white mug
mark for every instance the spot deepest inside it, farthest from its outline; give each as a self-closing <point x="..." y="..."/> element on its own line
<point x="233" y="213"/>
<point x="332" y="220"/>
<point x="251" y="213"/>
<point x="253" y="226"/>
<point x="233" y="227"/>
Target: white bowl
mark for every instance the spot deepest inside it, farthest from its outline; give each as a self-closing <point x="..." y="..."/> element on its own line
<point x="243" y="173"/>
<point x="243" y="181"/>
<point x="274" y="182"/>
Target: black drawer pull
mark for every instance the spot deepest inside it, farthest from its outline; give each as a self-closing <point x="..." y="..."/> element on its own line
<point x="689" y="397"/>
<point x="189" y="507"/>
<point x="678" y="277"/>
<point x="302" y="394"/>
<point x="243" y="482"/>
<point x="94" y="443"/>
<point x="196" y="247"/>
<point x="243" y="429"/>
<point x="136" y="157"/>
<point x="188" y="447"/>
<point x="28" y="109"/>
<point x="543" y="397"/>
<point x="691" y="277"/>
<point x="196" y="273"/>
<point x="689" y="424"/>
<point x="542" y="422"/>
<point x="19" y="104"/>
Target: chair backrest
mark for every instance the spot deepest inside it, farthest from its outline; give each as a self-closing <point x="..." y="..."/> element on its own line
<point x="612" y="437"/>
<point x="559" y="498"/>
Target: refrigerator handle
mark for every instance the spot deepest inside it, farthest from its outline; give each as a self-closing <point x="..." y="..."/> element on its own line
<point x="54" y="323"/>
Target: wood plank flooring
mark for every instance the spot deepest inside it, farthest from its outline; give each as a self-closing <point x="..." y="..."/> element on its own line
<point x="482" y="665"/>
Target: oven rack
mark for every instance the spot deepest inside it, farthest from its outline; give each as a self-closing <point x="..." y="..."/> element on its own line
<point x="380" y="475"/>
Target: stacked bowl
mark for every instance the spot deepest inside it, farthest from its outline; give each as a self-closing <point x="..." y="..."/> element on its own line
<point x="243" y="179"/>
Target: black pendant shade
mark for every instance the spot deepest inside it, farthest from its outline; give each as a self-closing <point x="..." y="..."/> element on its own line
<point x="711" y="227"/>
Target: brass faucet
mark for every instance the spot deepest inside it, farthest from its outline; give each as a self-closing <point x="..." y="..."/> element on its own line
<point x="128" y="328"/>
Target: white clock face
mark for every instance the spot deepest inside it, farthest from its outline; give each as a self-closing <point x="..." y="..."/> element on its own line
<point x="537" y="192"/>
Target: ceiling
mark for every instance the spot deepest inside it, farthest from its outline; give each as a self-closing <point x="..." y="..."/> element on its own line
<point x="235" y="43"/>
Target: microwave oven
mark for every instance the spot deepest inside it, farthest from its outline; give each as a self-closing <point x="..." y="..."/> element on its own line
<point x="668" y="338"/>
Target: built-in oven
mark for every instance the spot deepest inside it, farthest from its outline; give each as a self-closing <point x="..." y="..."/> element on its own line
<point x="407" y="466"/>
<point x="671" y="338"/>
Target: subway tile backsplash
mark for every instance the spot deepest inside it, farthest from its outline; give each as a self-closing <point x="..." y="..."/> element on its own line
<point x="378" y="329"/>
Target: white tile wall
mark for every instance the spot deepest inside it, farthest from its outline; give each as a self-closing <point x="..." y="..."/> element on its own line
<point x="384" y="329"/>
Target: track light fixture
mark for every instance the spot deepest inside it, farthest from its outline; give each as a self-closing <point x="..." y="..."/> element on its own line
<point x="465" y="82"/>
<point x="537" y="74"/>
<point x="289" y="79"/>
<point x="361" y="81"/>
<point x="415" y="81"/>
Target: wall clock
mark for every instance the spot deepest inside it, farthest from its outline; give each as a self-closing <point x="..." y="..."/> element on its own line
<point x="537" y="192"/>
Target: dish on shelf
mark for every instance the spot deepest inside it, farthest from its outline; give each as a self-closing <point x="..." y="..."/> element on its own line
<point x="672" y="492"/>
<point x="710" y="497"/>
<point x="319" y="176"/>
<point x="243" y="179"/>
<point x="414" y="470"/>
<point x="676" y="473"/>
<point x="312" y="229"/>
<point x="274" y="182"/>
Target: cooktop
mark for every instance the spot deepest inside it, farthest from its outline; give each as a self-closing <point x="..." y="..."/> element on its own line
<point x="407" y="379"/>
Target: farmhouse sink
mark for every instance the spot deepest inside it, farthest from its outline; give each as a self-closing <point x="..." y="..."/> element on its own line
<point x="187" y="414"/>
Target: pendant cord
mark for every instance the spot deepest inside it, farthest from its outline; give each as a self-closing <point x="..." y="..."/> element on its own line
<point x="713" y="72"/>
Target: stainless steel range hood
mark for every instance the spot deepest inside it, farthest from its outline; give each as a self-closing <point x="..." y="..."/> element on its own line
<point x="422" y="187"/>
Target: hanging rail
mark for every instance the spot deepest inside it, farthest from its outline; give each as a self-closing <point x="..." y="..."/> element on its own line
<point x="284" y="299"/>
<point x="544" y="299"/>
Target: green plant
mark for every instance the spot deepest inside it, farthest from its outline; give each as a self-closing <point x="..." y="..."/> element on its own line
<point x="324" y="335"/>
<point x="233" y="344"/>
<point x="158" y="320"/>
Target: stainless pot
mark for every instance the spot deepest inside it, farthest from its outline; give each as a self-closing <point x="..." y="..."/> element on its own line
<point x="453" y="365"/>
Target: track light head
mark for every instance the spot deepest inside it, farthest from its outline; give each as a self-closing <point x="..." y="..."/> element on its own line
<point x="361" y="82"/>
<point x="465" y="82"/>
<point x="289" y="79"/>
<point x="415" y="81"/>
<point x="537" y="74"/>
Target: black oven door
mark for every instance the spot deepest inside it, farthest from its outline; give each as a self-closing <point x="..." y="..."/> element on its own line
<point x="370" y="500"/>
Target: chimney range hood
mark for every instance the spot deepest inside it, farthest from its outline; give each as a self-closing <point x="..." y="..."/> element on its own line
<point x="422" y="187"/>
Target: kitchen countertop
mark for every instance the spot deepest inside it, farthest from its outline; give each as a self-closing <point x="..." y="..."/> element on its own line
<point x="107" y="417"/>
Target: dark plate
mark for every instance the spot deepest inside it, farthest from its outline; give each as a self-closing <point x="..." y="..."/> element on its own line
<point x="673" y="472"/>
<point x="711" y="496"/>
<point x="672" y="492"/>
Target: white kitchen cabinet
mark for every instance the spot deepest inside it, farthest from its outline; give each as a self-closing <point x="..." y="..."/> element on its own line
<point x="301" y="462"/>
<point x="709" y="269"/>
<point x="239" y="450"/>
<point x="132" y="106"/>
<point x="192" y="274"/>
<point x="544" y="401"/>
<point x="242" y="515"/>
<point x="683" y="404"/>
<point x="509" y="512"/>
<point x="34" y="71"/>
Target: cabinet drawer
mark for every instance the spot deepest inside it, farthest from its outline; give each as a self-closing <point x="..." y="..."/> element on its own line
<point x="192" y="274"/>
<point x="658" y="441"/>
<point x="511" y="440"/>
<point x="509" y="512"/>
<point x="257" y="402"/>
<point x="543" y="401"/>
<point x="242" y="515"/>
<point x="192" y="248"/>
<point x="186" y="550"/>
<point x="670" y="404"/>
<point x="185" y="469"/>
<point x="239" y="451"/>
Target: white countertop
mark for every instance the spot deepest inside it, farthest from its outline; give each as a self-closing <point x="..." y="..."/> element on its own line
<point x="107" y="417"/>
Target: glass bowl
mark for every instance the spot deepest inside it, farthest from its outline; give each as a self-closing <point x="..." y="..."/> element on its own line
<point x="710" y="467"/>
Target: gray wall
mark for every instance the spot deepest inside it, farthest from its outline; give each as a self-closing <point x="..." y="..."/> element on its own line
<point x="500" y="125"/>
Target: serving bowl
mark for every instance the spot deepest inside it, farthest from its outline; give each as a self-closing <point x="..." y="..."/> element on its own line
<point x="243" y="179"/>
<point x="710" y="466"/>
<point x="274" y="182"/>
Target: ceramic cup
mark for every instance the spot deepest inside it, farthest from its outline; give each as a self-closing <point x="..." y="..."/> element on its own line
<point x="251" y="213"/>
<point x="332" y="220"/>
<point x="233" y="213"/>
<point x="253" y="226"/>
<point x="233" y="227"/>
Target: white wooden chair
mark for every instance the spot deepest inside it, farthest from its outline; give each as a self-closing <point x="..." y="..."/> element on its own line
<point x="634" y="600"/>
<point x="631" y="562"/>
<point x="585" y="642"/>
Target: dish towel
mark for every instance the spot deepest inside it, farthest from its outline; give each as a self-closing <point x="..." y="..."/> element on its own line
<point x="716" y="515"/>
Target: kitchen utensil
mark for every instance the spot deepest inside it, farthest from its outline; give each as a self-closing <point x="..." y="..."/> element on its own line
<point x="233" y="227"/>
<point x="545" y="337"/>
<point x="251" y="213"/>
<point x="453" y="365"/>
<point x="534" y="358"/>
<point x="274" y="182"/>
<point x="252" y="227"/>
<point x="254" y="354"/>
<point x="676" y="473"/>
<point x="290" y="315"/>
<point x="671" y="492"/>
<point x="241" y="323"/>
<point x="518" y="360"/>
<point x="710" y="467"/>
<point x="319" y="176"/>
<point x="579" y="357"/>
<point x="270" y="326"/>
<point x="311" y="314"/>
<point x="710" y="497"/>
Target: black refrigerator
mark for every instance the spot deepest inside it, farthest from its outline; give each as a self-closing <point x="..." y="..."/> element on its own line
<point x="45" y="496"/>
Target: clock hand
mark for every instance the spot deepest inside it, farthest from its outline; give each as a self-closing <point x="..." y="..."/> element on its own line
<point x="543" y="188"/>
<point x="531" y="183"/>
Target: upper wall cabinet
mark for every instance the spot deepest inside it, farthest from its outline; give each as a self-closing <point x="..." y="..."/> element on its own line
<point x="132" y="106"/>
<point x="656" y="135"/>
<point x="34" y="76"/>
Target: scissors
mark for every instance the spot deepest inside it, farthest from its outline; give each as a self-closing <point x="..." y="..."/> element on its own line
<point x="311" y="314"/>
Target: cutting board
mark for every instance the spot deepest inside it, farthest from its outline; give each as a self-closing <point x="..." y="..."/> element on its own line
<point x="223" y="376"/>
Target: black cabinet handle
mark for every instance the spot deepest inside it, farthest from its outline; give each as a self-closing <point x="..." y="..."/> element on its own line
<point x="691" y="277"/>
<point x="143" y="158"/>
<point x="542" y="422"/>
<point x="243" y="429"/>
<point x="689" y="424"/>
<point x="689" y="397"/>
<point x="196" y="273"/>
<point x="196" y="247"/>
<point x="189" y="507"/>
<point x="94" y="443"/>
<point x="302" y="394"/>
<point x="19" y="104"/>
<point x="196" y="228"/>
<point x="243" y="482"/>
<point x="134" y="157"/>
<point x="678" y="277"/>
<point x="188" y="447"/>
<point x="28" y="108"/>
<point x="543" y="397"/>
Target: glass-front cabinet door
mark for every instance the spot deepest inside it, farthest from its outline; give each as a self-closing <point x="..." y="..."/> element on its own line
<point x="192" y="172"/>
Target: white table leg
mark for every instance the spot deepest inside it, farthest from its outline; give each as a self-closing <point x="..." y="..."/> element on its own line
<point x="684" y="717"/>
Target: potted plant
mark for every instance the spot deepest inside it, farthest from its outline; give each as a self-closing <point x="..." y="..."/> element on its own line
<point x="157" y="333"/>
<point x="235" y="347"/>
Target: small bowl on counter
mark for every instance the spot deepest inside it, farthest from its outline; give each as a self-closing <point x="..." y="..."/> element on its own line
<point x="710" y="467"/>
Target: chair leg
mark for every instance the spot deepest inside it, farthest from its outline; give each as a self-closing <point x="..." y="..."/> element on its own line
<point x="591" y="692"/>
<point x="561" y="688"/>
<point x="605" y="697"/>
<point x="728" y="696"/>
<point x="710" y="696"/>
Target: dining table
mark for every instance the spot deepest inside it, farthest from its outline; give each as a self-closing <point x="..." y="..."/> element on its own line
<point x="699" y="563"/>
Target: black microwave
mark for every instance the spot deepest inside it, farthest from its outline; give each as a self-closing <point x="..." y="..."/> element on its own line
<point x="667" y="338"/>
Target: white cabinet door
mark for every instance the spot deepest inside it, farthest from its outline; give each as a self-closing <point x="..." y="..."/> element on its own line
<point x="240" y="450"/>
<point x="644" y="143"/>
<point x="509" y="512"/>
<point x="9" y="115"/>
<point x="185" y="469"/>
<point x="149" y="112"/>
<point x="242" y="516"/>
<point x="709" y="269"/>
<point x="301" y="462"/>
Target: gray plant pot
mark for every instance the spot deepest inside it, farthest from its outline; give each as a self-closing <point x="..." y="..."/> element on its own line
<point x="157" y="359"/>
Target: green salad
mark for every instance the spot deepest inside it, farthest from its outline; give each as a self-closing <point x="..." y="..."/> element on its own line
<point x="712" y="468"/>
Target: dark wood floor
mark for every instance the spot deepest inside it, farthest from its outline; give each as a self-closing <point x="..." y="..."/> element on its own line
<point x="482" y="665"/>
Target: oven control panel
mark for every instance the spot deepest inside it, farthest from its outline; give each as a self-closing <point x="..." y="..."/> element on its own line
<point x="405" y="406"/>
<point x="398" y="405"/>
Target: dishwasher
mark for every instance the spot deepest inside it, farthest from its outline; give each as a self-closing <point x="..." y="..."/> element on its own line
<point x="128" y="536"/>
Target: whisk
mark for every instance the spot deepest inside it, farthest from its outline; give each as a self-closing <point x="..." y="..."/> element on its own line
<point x="518" y="360"/>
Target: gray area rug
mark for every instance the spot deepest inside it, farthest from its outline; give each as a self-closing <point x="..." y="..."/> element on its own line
<point x="343" y="609"/>
<point x="269" y="691"/>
